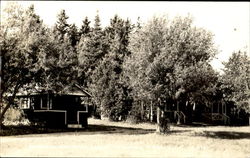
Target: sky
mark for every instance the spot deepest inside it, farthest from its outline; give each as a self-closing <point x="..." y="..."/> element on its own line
<point x="228" y="21"/>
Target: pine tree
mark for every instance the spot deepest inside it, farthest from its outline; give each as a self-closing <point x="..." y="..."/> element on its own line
<point x="97" y="24"/>
<point x="85" y="28"/>
<point x="61" y="26"/>
<point x="108" y="82"/>
<point x="91" y="50"/>
<point x="60" y="58"/>
<point x="74" y="35"/>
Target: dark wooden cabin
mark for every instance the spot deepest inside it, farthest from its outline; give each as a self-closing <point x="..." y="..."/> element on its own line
<point x="64" y="109"/>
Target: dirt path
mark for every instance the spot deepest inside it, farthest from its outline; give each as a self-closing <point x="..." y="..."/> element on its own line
<point x="104" y="139"/>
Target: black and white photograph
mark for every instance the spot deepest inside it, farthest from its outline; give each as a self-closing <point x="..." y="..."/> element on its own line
<point x="125" y="79"/>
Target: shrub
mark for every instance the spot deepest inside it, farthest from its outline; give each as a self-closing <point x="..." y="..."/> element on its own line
<point x="133" y="119"/>
<point x="164" y="125"/>
<point x="15" y="116"/>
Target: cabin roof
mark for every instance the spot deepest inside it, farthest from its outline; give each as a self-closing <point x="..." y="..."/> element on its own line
<point x="75" y="90"/>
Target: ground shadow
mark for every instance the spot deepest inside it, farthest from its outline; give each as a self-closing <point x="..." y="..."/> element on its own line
<point x="24" y="130"/>
<point x="194" y="125"/>
<point x="177" y="131"/>
<point x="224" y="134"/>
<point x="105" y="129"/>
<point x="97" y="129"/>
<point x="91" y="129"/>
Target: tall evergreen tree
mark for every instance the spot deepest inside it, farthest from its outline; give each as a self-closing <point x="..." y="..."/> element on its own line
<point x="97" y="24"/>
<point x="108" y="85"/>
<point x="59" y="61"/>
<point x="74" y="35"/>
<point x="85" y="28"/>
<point x="61" y="27"/>
<point x="91" y="50"/>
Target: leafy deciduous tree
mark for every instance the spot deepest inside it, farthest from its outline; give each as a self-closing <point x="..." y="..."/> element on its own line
<point x="163" y="54"/>
<point x="22" y="37"/>
<point x="236" y="81"/>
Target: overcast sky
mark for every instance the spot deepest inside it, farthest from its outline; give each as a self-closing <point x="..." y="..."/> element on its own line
<point x="228" y="21"/>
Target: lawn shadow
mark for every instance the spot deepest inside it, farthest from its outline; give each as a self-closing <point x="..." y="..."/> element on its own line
<point x="224" y="134"/>
<point x="106" y="129"/>
<point x="194" y="125"/>
<point x="25" y="130"/>
<point x="178" y="131"/>
<point x="91" y="129"/>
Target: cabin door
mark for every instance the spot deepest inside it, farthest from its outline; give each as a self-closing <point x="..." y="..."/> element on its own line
<point x="72" y="115"/>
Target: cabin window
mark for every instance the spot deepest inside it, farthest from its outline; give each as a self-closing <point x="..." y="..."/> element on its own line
<point x="46" y="102"/>
<point x="32" y="102"/>
<point x="25" y="103"/>
<point x="43" y="103"/>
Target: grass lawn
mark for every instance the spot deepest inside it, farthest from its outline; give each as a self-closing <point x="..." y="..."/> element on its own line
<point x="110" y="139"/>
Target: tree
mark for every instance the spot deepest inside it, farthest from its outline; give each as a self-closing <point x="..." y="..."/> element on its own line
<point x="163" y="55"/>
<point x="108" y="86"/>
<point x="91" y="49"/>
<point x="22" y="37"/>
<point x="59" y="49"/>
<point x="74" y="35"/>
<point x="85" y="28"/>
<point x="62" y="26"/>
<point x="236" y="81"/>
<point x="108" y="82"/>
<point x="145" y="44"/>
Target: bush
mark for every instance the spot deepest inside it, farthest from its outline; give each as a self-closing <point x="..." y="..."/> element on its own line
<point x="164" y="126"/>
<point x="133" y="119"/>
<point x="14" y="116"/>
<point x="134" y="115"/>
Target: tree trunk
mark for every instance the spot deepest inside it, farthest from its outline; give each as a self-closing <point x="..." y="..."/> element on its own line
<point x="103" y="113"/>
<point x="158" y="119"/>
<point x="142" y="111"/>
<point x="249" y="120"/>
<point x="10" y="102"/>
<point x="178" y="116"/>
<point x="151" y="112"/>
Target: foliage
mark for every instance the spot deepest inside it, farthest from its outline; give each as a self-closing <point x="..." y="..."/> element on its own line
<point x="85" y="28"/>
<point x="108" y="84"/>
<point x="62" y="26"/>
<point x="170" y="62"/>
<point x="236" y="80"/>
<point x="14" y="116"/>
<point x="59" y="48"/>
<point x="73" y="35"/>
<point x="165" y="61"/>
<point x="22" y="38"/>
<point x="91" y="49"/>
